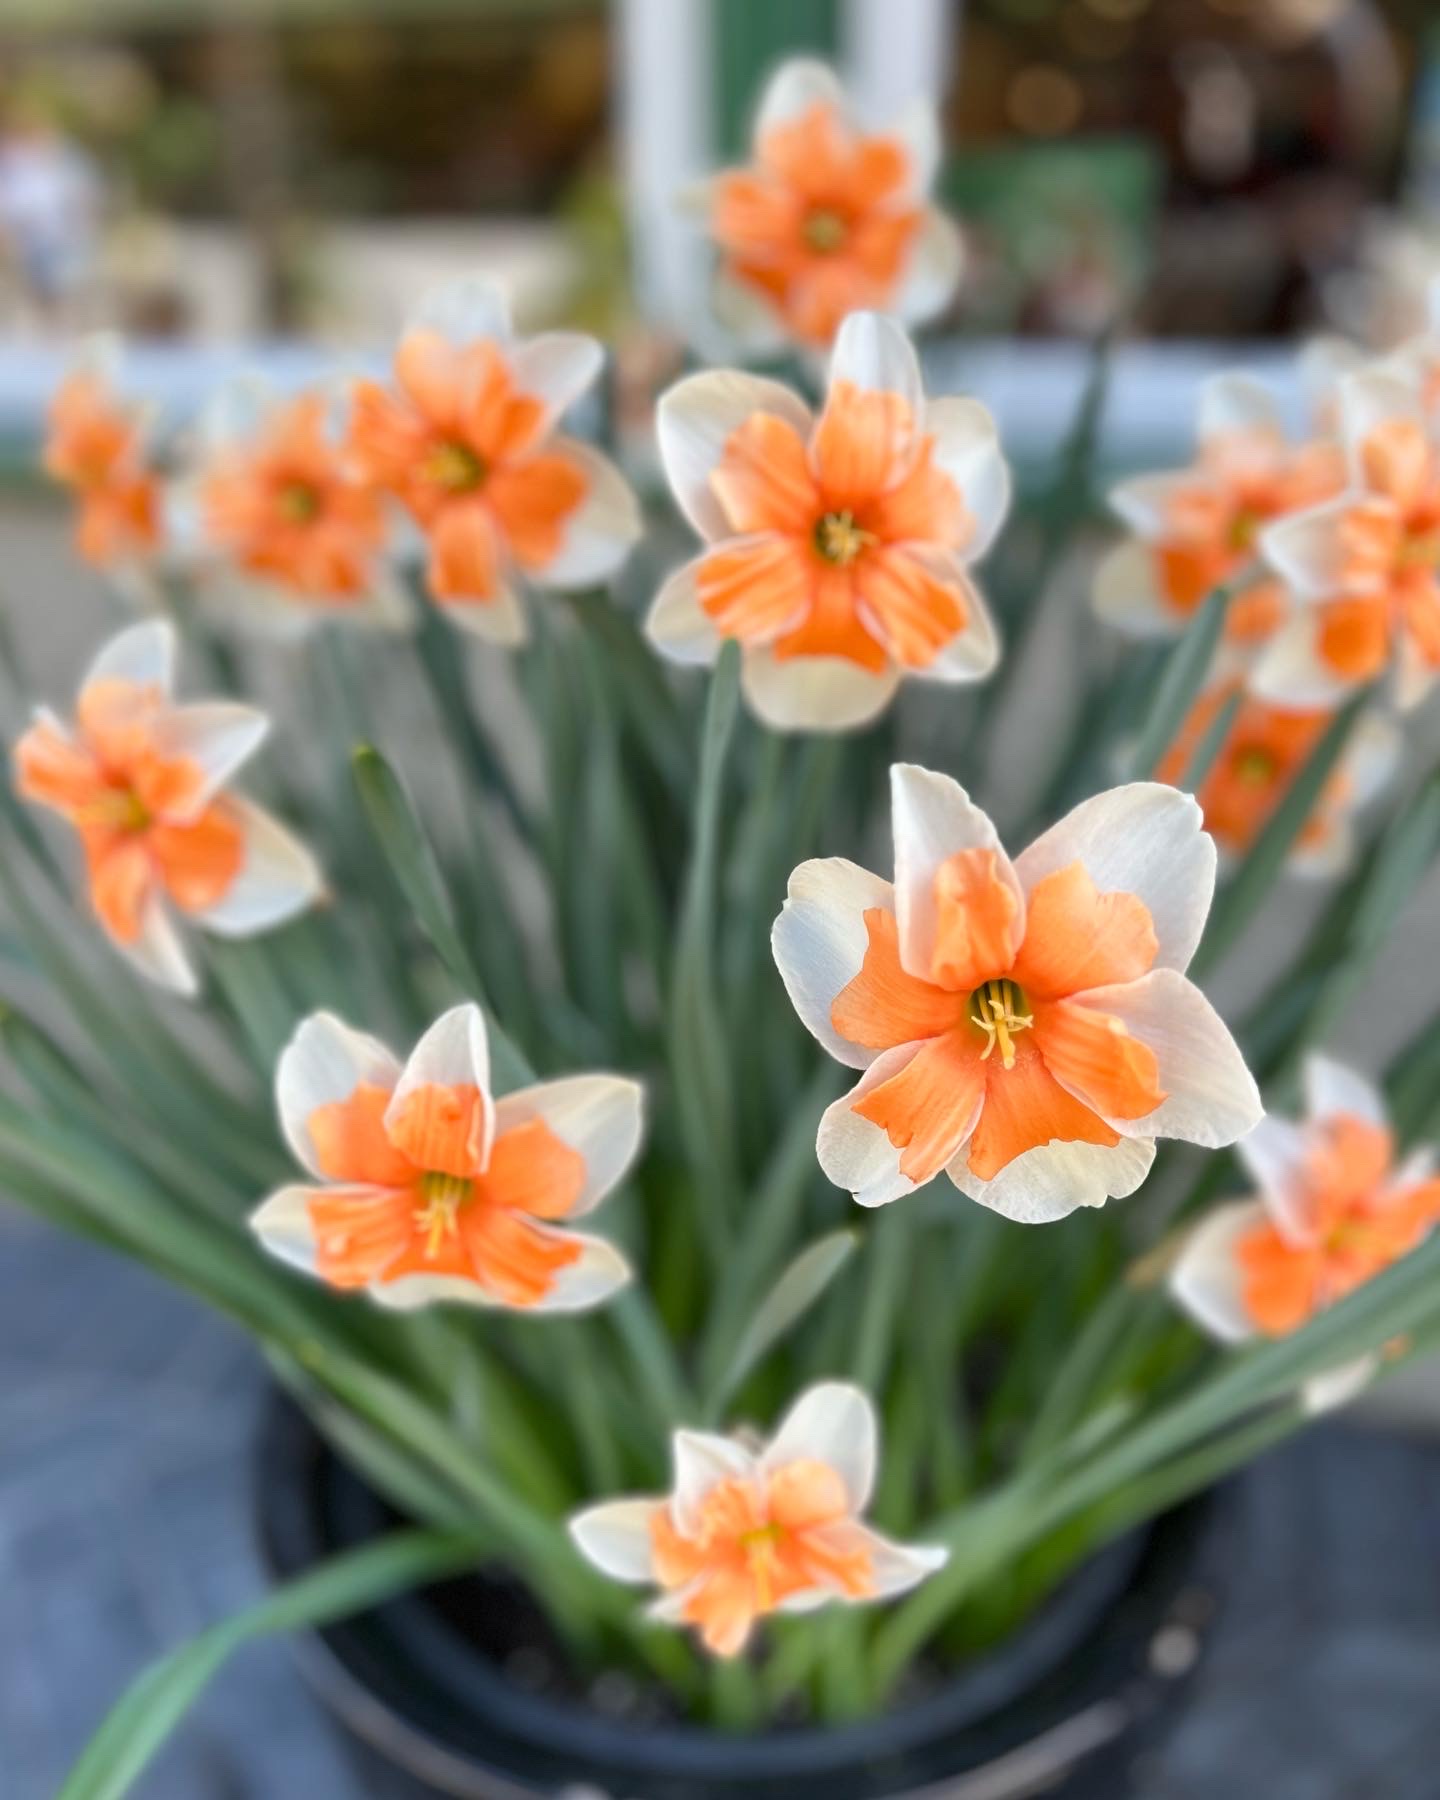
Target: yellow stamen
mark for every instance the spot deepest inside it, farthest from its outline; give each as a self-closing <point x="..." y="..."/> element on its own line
<point x="839" y="539"/>
<point x="1244" y="528"/>
<point x="456" y="467"/>
<point x="1419" y="550"/>
<point x="996" y="1009"/>
<point x="439" y="1216"/>
<point x="760" y="1547"/>
<point x="117" y="808"/>
<point x="825" y="230"/>
<point x="298" y="503"/>
<point x="1255" y="767"/>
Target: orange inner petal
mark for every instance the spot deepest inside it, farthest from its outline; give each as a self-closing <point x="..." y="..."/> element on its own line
<point x="977" y="920"/>
<point x="763" y="479"/>
<point x="1077" y="938"/>
<point x="198" y="861"/>
<point x="352" y="1144"/>
<point x="752" y="591"/>
<point x="532" y="501"/>
<point x="441" y="1127"/>
<point x="534" y="1171"/>
<point x="1025" y="1107"/>
<point x="928" y="1107"/>
<point x="1097" y="1058"/>
<point x="916" y="611"/>
<point x="1354" y="636"/>
<point x="883" y="1005"/>
<point x="866" y="442"/>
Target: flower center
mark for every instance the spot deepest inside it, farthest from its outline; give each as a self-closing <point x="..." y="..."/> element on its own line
<point x="825" y="230"/>
<point x="442" y="1196"/>
<point x="1244" y="528"/>
<point x="997" y="1007"/>
<point x="1418" y="550"/>
<point x="298" y="503"/>
<point x="1255" y="767"/>
<point x="119" y="809"/>
<point x="456" y="467"/>
<point x="839" y="540"/>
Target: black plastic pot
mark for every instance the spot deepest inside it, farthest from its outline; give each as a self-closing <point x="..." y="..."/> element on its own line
<point x="1064" y="1708"/>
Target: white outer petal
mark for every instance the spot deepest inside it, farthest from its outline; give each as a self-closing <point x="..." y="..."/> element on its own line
<point x="917" y="127"/>
<point x="1051" y="1181"/>
<point x="1235" y="402"/>
<point x="1126" y="593"/>
<point x="832" y="1423"/>
<point x="1305" y="548"/>
<point x="600" y="1271"/>
<point x="602" y="530"/>
<point x="463" y="311"/>
<point x="600" y="1116"/>
<point x="1338" y="1387"/>
<point x="932" y="818"/>
<point x="856" y="1154"/>
<point x="701" y="1458"/>
<point x="813" y="693"/>
<point x="500" y="620"/>
<point x="615" y="1537"/>
<point x="324" y="1062"/>
<point x="1369" y="398"/>
<point x="454" y="1052"/>
<point x="896" y="1568"/>
<point x="695" y="419"/>
<point x="1145" y="839"/>
<point x="1291" y="671"/>
<point x="1206" y="1278"/>
<point x="1212" y="1098"/>
<point x="218" y="736"/>
<point x="556" y="367"/>
<point x="796" y="86"/>
<point x="934" y="269"/>
<point x="282" y="1224"/>
<point x="158" y="952"/>
<point x="973" y="653"/>
<point x="819" y="942"/>
<point x="873" y="353"/>
<point x="967" y="448"/>
<point x="1333" y="1088"/>
<point x="278" y="878"/>
<point x="143" y="654"/>
<point x="677" y="625"/>
<point x="1143" y="502"/>
<point x="1274" y="1152"/>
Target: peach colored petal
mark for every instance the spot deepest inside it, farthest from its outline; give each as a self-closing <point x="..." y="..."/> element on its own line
<point x="927" y="1109"/>
<point x="531" y="500"/>
<point x="865" y="443"/>
<point x="532" y="1171"/>
<point x="1024" y="1107"/>
<point x="440" y="1128"/>
<point x="763" y="479"/>
<point x="350" y="1141"/>
<point x="755" y="589"/>
<point x="883" y="1005"/>
<point x="1078" y="938"/>
<point x="977" y="921"/>
<point x="1098" y="1060"/>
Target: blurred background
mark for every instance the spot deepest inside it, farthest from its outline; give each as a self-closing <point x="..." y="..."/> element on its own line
<point x="274" y="181"/>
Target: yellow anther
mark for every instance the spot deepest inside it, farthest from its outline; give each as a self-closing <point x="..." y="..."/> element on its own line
<point x="839" y="539"/>
<point x="995" y="1008"/>
<point x="456" y="467"/>
<point x="438" y="1218"/>
<point x="825" y="230"/>
<point x="298" y="503"/>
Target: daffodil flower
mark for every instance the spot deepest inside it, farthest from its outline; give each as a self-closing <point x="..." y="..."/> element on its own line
<point x="97" y="444"/>
<point x="838" y="549"/>
<point x="752" y="1528"/>
<point x="469" y="444"/>
<point x="276" y="521"/>
<point x="1197" y="528"/>
<point x="1263" y="751"/>
<point x="1026" y="1027"/>
<point x="432" y="1190"/>
<point x="1333" y="1210"/>
<point x="143" y="781"/>
<point x="828" y="218"/>
<point x="1364" y="567"/>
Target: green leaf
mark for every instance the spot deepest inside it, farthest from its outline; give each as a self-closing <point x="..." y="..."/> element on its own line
<point x="1181" y="680"/>
<point x="143" y="1718"/>
<point x="797" y="1290"/>
<point x="1212" y="740"/>
<point x="408" y="851"/>
<point x="1242" y="898"/>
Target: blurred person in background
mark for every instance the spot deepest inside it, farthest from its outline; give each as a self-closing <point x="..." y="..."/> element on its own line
<point x="50" y="195"/>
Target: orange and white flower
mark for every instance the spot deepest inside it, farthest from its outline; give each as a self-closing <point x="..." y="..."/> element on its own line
<point x="282" y="527"/>
<point x="1364" y="567"/>
<point x="143" y="780"/>
<point x="97" y="444"/>
<point x="469" y="444"/>
<point x="751" y="1529"/>
<point x="1264" y="750"/>
<point x="1026" y="1027"/>
<point x="827" y="218"/>
<point x="838" y="549"/>
<point x="1333" y="1210"/>
<point x="1199" y="527"/>
<point x="432" y="1190"/>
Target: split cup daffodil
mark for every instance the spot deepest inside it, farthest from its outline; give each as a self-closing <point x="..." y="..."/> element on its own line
<point x="144" y="781"/>
<point x="1333" y="1209"/>
<point x="1364" y="567"/>
<point x="1197" y="528"/>
<point x="1025" y="1027"/>
<point x="838" y="548"/>
<point x="468" y="441"/>
<point x="281" y="525"/>
<point x="828" y="218"/>
<point x="753" y="1528"/>
<point x="97" y="444"/>
<point x="425" y="1187"/>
